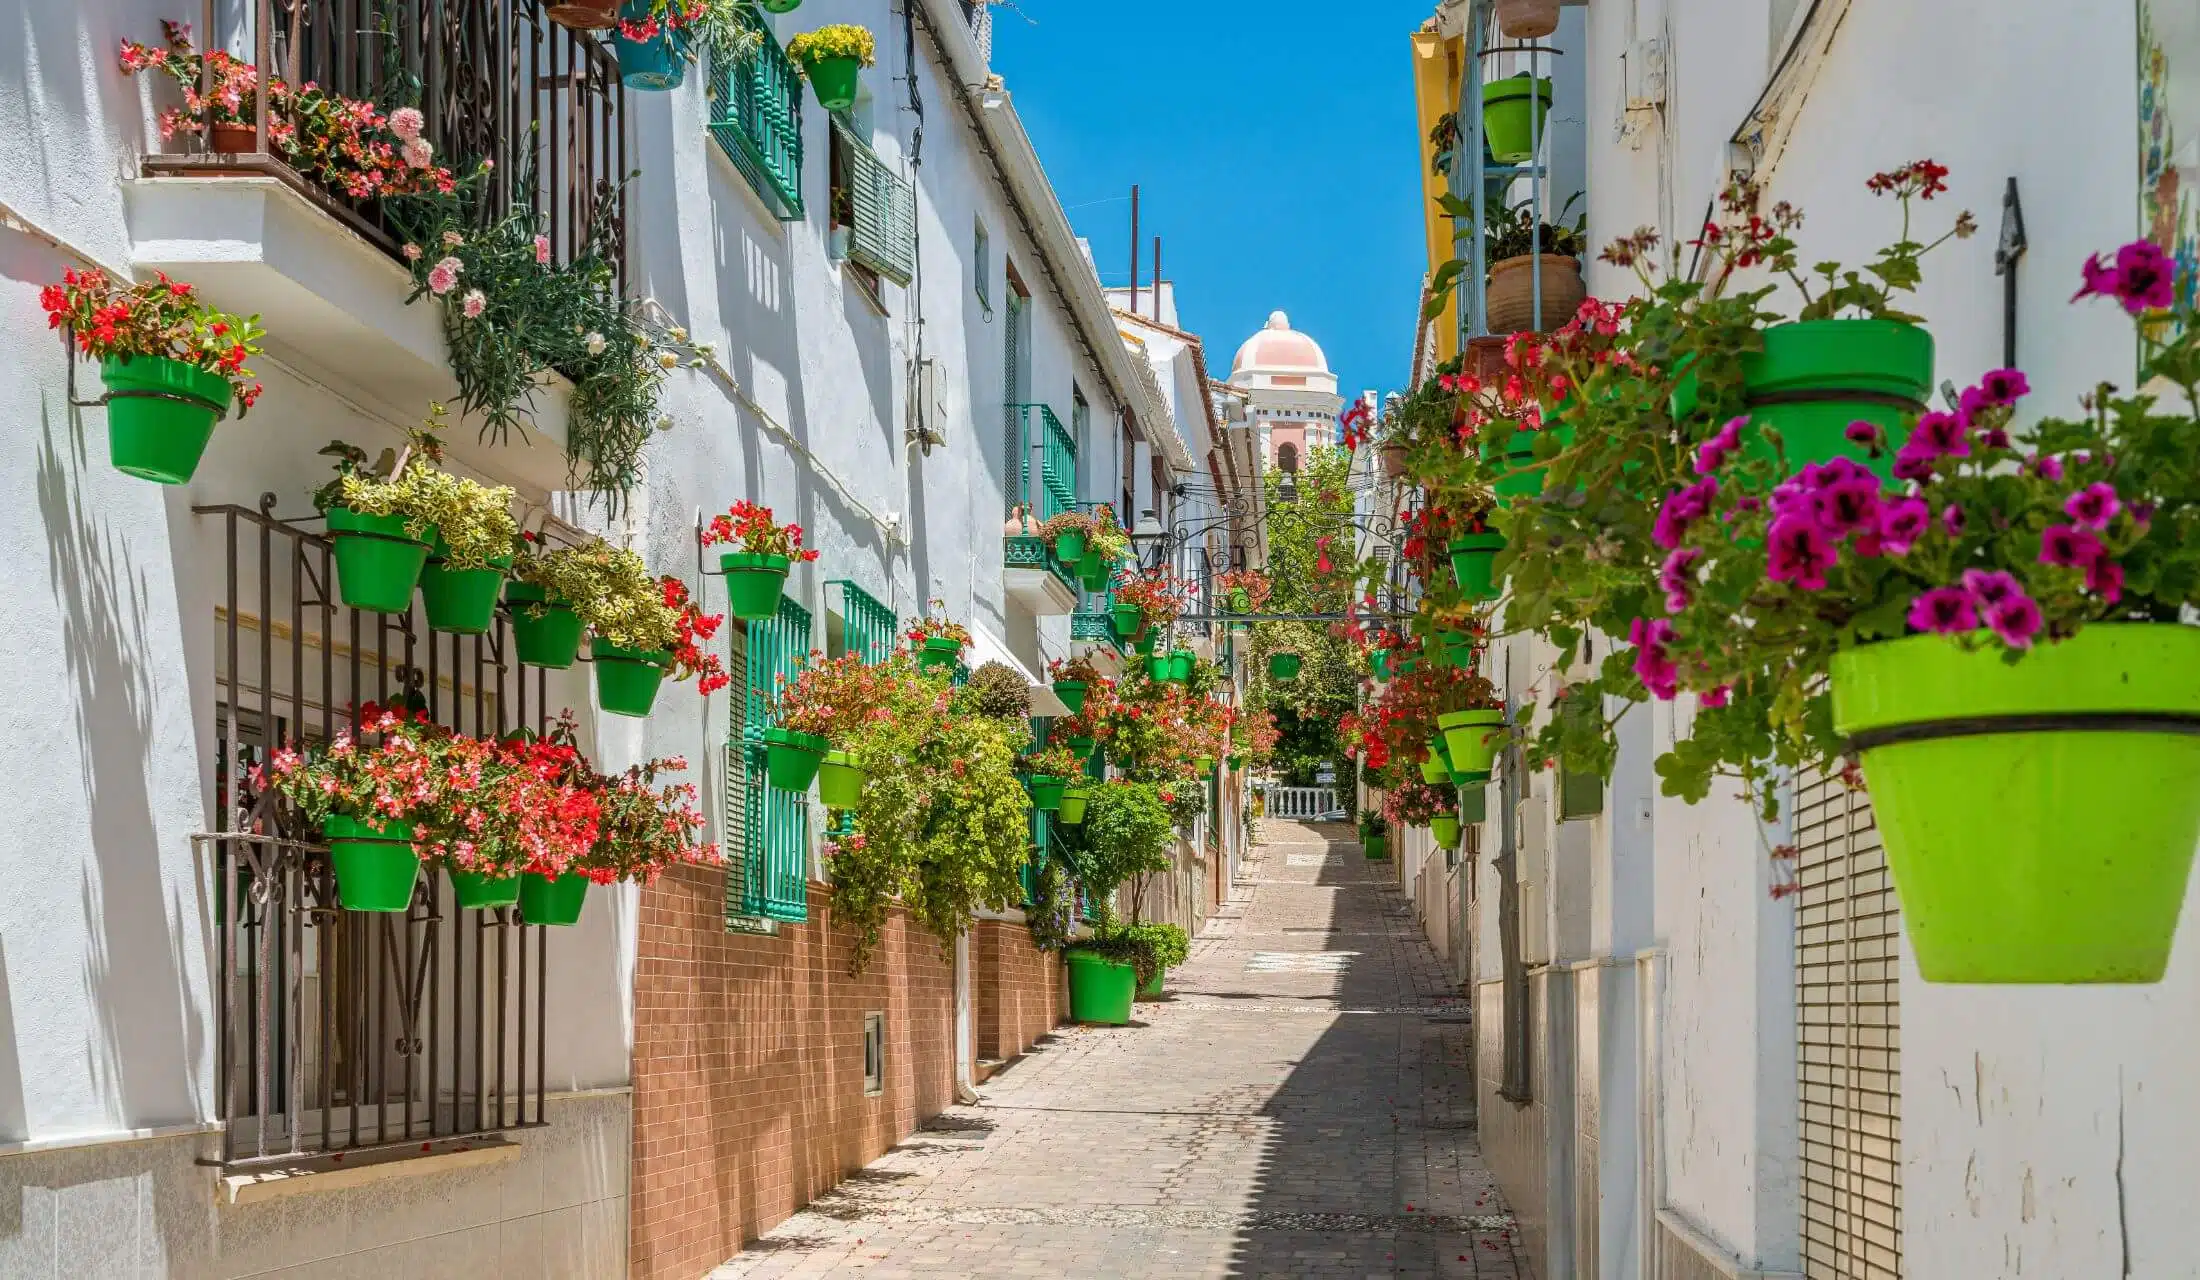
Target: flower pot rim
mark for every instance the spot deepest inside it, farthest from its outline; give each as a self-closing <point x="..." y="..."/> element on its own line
<point x="603" y="649"/>
<point x="1879" y="686"/>
<point x="1471" y="716"/>
<point x="754" y="561"/>
<point x="802" y="741"/>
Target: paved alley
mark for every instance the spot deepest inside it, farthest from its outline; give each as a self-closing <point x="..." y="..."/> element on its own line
<point x="1300" y="1106"/>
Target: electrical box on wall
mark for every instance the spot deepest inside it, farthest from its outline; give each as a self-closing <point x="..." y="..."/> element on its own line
<point x="929" y="406"/>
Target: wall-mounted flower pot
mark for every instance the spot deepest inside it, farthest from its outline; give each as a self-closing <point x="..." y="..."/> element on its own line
<point x="374" y="863"/>
<point x="1378" y="664"/>
<point x="656" y="64"/>
<point x="1470" y="739"/>
<point x="754" y="584"/>
<point x="1157" y="668"/>
<point x="1100" y="989"/>
<point x="780" y="6"/>
<point x="1074" y="799"/>
<point x="1127" y="620"/>
<point x="477" y="892"/>
<point x="543" y="634"/>
<point x="557" y="902"/>
<point x="1149" y="639"/>
<point x="1433" y="770"/>
<point x="1474" y="564"/>
<point x="2039" y="818"/>
<point x="1445" y="828"/>
<point x="378" y="562"/>
<point x="1456" y="650"/>
<point x="1072" y="693"/>
<point x="1236" y="762"/>
<point x="1515" y="113"/>
<point x="1815" y="377"/>
<point x="584" y="15"/>
<point x="1084" y="746"/>
<point x="1204" y="766"/>
<point x="1181" y="663"/>
<point x="792" y="760"/>
<point x="1527" y="19"/>
<point x="627" y="680"/>
<point x="461" y="601"/>
<point x="840" y="781"/>
<point x="1047" y="791"/>
<point x="1092" y="570"/>
<point x="1512" y="293"/>
<point x="834" y="80"/>
<point x="1285" y="667"/>
<point x="1394" y="460"/>
<point x="1069" y="547"/>
<point x="161" y="414"/>
<point x="939" y="652"/>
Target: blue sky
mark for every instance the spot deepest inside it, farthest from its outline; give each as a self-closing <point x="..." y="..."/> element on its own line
<point x="1274" y="149"/>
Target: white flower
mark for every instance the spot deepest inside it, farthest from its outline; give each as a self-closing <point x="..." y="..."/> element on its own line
<point x="679" y="334"/>
<point x="419" y="153"/>
<point x="596" y="344"/>
<point x="406" y="122"/>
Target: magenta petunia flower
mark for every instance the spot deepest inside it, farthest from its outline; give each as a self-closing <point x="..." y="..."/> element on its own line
<point x="1716" y="697"/>
<point x="1678" y="573"/>
<point x="1988" y="589"/>
<point x="2047" y="467"/>
<point x="1799" y="553"/>
<point x="1942" y="435"/>
<point x="2093" y="506"/>
<point x="2105" y="578"/>
<point x="2147" y="277"/>
<point x="1943" y="611"/>
<point x="2005" y="386"/>
<point x="2068" y="546"/>
<point x="1653" y="665"/>
<point x="1683" y="508"/>
<point x="2016" y="619"/>
<point x="1901" y="523"/>
<point x="1851" y="506"/>
<point x="1867" y="434"/>
<point x="1713" y="453"/>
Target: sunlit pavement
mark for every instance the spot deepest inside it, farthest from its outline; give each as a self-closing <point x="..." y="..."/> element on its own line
<point x="1300" y="1106"/>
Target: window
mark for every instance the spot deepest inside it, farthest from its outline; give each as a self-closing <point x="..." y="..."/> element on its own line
<point x="767" y="830"/>
<point x="756" y="119"/>
<point x="874" y="1054"/>
<point x="981" y="266"/>
<point x="1080" y="426"/>
<point x="866" y="627"/>
<point x="874" y="207"/>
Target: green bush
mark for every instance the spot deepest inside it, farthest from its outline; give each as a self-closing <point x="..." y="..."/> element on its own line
<point x="1128" y="832"/>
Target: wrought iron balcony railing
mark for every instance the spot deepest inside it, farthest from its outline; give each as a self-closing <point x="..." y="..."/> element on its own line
<point x="1043" y="474"/>
<point x="495" y="81"/>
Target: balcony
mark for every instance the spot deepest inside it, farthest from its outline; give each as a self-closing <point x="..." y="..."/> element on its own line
<point x="756" y="120"/>
<point x="1042" y="448"/>
<point x="1036" y="578"/>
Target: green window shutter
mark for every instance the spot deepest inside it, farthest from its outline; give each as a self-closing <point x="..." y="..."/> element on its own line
<point x="871" y="629"/>
<point x="755" y="105"/>
<point x="768" y="876"/>
<point x="740" y="813"/>
<point x="883" y="235"/>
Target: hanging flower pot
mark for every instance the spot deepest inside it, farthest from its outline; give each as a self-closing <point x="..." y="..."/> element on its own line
<point x="939" y="652"/>
<point x="1181" y="664"/>
<point x="547" y="901"/>
<point x="1074" y="799"/>
<point x="1815" y="377"/>
<point x="1394" y="461"/>
<point x="656" y="64"/>
<point x="1148" y="640"/>
<point x="478" y="892"/>
<point x="1285" y="667"/>
<point x="627" y="679"/>
<point x="780" y="6"/>
<point x="1378" y="664"/>
<point x="1203" y="765"/>
<point x="839" y="781"/>
<point x="1515" y="113"/>
<point x="1456" y="650"/>
<point x="1434" y="771"/>
<point x="1527" y="19"/>
<point x="1100" y="989"/>
<point x="1092" y="570"/>
<point x="1046" y="791"/>
<point x="1445" y="827"/>
<point x="2039" y="818"/>
<point x="584" y="15"/>
<point x="1474" y="564"/>
<point x="1069" y="547"/>
<point x="754" y="584"/>
<point x="1158" y="667"/>
<point x="1470" y="740"/>
<point x="1512" y="298"/>
<point x="161" y="415"/>
<point x="1127" y="619"/>
<point x="374" y="863"/>
<point x="378" y="563"/>
<point x="1236" y="762"/>
<point x="1072" y="694"/>
<point x="834" y="79"/>
<point x="461" y="601"/>
<point x="543" y="634"/>
<point x="1084" y="746"/>
<point x="792" y="760"/>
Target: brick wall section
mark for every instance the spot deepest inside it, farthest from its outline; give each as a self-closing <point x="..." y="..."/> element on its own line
<point x="1019" y="989"/>
<point x="748" y="1068"/>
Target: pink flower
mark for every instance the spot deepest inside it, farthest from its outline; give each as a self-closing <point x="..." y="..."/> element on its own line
<point x="2093" y="506"/>
<point x="1713" y="453"/>
<point x="1717" y="697"/>
<point x="406" y="123"/>
<point x="542" y="250"/>
<point x="419" y="153"/>
<point x="1951" y="521"/>
<point x="1800" y="553"/>
<point x="2016" y="619"/>
<point x="1867" y="434"/>
<point x="1989" y="589"/>
<point x="1944" y="611"/>
<point x="1653" y="665"/>
<point x="443" y="276"/>
<point x="475" y="304"/>
<point x="1901" y="523"/>
<point x="2105" y="578"/>
<point x="2068" y="547"/>
<point x="1676" y="576"/>
<point x="2143" y="279"/>
<point x="1683" y="508"/>
<point x="412" y="253"/>
<point x="2005" y="386"/>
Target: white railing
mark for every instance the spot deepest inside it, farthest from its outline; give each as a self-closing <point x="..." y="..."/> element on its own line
<point x="1304" y="804"/>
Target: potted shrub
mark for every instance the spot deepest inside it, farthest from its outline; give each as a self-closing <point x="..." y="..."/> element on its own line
<point x="172" y="366"/>
<point x="368" y="792"/>
<point x="1050" y="769"/>
<point x="813" y="715"/>
<point x="1163" y="947"/>
<point x="644" y="629"/>
<point x="1514" y="116"/>
<point x="1068" y="533"/>
<point x="939" y="643"/>
<point x="546" y="627"/>
<point x="998" y="692"/>
<point x="1107" y="544"/>
<point x="2013" y="615"/>
<point x="831" y="58"/>
<point x="381" y="527"/>
<point x="474" y="536"/>
<point x="1518" y="247"/>
<point x="525" y="804"/>
<point x="645" y="827"/>
<point x="1073" y="678"/>
<point x="1374" y="835"/>
<point x="756" y="574"/>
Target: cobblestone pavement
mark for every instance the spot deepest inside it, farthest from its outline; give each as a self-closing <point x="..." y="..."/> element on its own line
<point x="1300" y="1106"/>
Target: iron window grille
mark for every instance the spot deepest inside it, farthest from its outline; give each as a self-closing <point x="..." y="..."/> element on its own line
<point x="869" y="629"/>
<point x="341" y="1030"/>
<point x="755" y="105"/>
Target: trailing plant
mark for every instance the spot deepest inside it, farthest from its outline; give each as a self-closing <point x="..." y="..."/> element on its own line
<point x="648" y="826"/>
<point x="1050" y="915"/>
<point x="935" y="627"/>
<point x="1079" y="669"/>
<point x="830" y="698"/>
<point x="752" y="529"/>
<point x="996" y="690"/>
<point x="839" y="40"/>
<point x="159" y="318"/>
<point x="730" y="29"/>
<point x="1159" y="595"/>
<point x="613" y="591"/>
<point x="1065" y="522"/>
<point x="1186" y="801"/>
<point x="388" y="771"/>
<point x="1414" y="803"/>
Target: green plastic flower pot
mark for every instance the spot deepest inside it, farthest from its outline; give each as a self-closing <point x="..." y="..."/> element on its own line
<point x="1148" y="641"/>
<point x="1047" y="791"/>
<point x="2039" y="819"/>
<point x="754" y="584"/>
<point x="1072" y="694"/>
<point x="374" y="863"/>
<point x="1433" y="771"/>
<point x="1069" y="548"/>
<point x="1153" y="989"/>
<point x="1203" y="765"/>
<point x="462" y="601"/>
<point x="161" y="414"/>
<point x="478" y="892"/>
<point x="834" y="79"/>
<point x="558" y="902"/>
<point x="627" y="680"/>
<point x="1092" y="570"/>
<point x="1285" y="667"/>
<point x="654" y="65"/>
<point x="1127" y="619"/>
<point x="1074" y="800"/>
<point x="1474" y="803"/>
<point x="1100" y="989"/>
<point x="1474" y="564"/>
<point x="1181" y="663"/>
<point x="1378" y="664"/>
<point x="377" y="562"/>
<point x="840" y="781"/>
<point x="1158" y="668"/>
<point x="939" y="652"/>
<point x="1236" y="762"/>
<point x="1084" y="746"/>
<point x="543" y="634"/>
<point x="1445" y="827"/>
<point x="793" y="760"/>
<point x="1469" y="739"/>
<point x="1377" y="846"/>
<point x="1456" y="650"/>
<point x="1515" y="113"/>
<point x="780" y="6"/>
<point x="1815" y="377"/>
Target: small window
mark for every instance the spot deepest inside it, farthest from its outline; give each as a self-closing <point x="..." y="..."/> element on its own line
<point x="981" y="265"/>
<point x="874" y="1054"/>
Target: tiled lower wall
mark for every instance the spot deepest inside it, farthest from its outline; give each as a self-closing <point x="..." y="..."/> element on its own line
<point x="1019" y="991"/>
<point x="147" y="1208"/>
<point x="749" y="1096"/>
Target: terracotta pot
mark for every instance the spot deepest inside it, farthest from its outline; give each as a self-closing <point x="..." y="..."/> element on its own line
<point x="1512" y="293"/>
<point x="584" y="15"/>
<point x="1394" y="461"/>
<point x="234" y="139"/>
<point x="1485" y="360"/>
<point x="1527" y="19"/>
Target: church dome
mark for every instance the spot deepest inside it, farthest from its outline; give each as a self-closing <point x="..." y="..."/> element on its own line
<point x="1280" y="349"/>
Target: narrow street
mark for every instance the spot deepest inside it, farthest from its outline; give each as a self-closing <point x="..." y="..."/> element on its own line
<point x="1300" y="1106"/>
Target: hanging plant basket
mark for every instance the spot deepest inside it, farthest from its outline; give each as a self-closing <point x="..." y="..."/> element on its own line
<point x="1515" y="113"/>
<point x="1092" y="570"/>
<point x="1434" y="771"/>
<point x="654" y="65"/>
<point x="754" y="584"/>
<point x="1084" y="746"/>
<point x="1100" y="989"/>
<point x="792" y="760"/>
<point x="477" y="892"/>
<point x="939" y="652"/>
<point x="1456" y="649"/>
<point x="1127" y="620"/>
<point x="1181" y="664"/>
<point x="1204" y="766"/>
<point x="627" y="680"/>
<point x="1074" y="799"/>
<point x="1378" y="664"/>
<point x="1445" y="828"/>
<point x="1158" y="668"/>
<point x="1148" y="641"/>
<point x="1046" y="791"/>
<point x="1815" y="377"/>
<point x="1285" y="667"/>
<point x="543" y="634"/>
<point x="547" y="901"/>
<point x="584" y="15"/>
<point x="840" y="781"/>
<point x="1527" y="19"/>
<point x="461" y="601"/>
<point x="1072" y="694"/>
<point x="2039" y="818"/>
<point x="1069" y="547"/>
<point x="378" y="563"/>
<point x="834" y="80"/>
<point x="780" y="6"/>
<point x="161" y="414"/>
<point x="1474" y="564"/>
<point x="1470" y="741"/>
<point x="374" y="863"/>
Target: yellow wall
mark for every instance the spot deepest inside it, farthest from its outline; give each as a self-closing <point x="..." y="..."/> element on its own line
<point x="1437" y="71"/>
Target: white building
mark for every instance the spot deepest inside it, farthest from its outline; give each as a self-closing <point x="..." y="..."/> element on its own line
<point x="1290" y="390"/>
